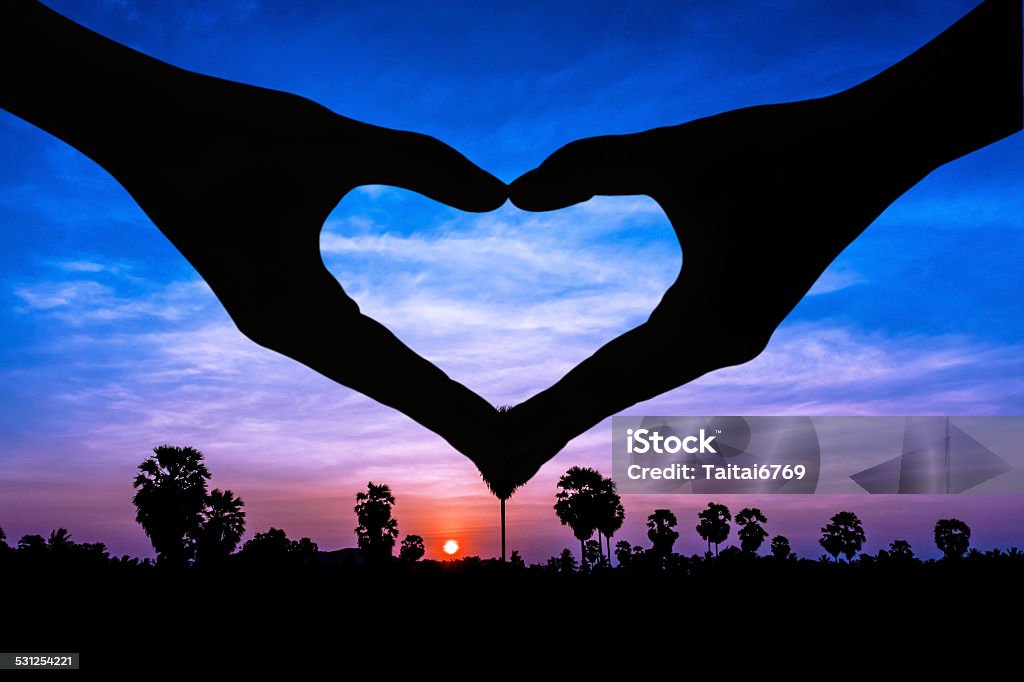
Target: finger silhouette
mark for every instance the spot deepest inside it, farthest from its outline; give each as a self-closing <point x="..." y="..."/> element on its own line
<point x="426" y="165"/>
<point x="607" y="165"/>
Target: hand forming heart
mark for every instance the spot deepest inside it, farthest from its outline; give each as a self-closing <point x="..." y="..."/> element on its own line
<point x="241" y="179"/>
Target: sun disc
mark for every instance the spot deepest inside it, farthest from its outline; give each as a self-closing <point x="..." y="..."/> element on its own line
<point x="451" y="547"/>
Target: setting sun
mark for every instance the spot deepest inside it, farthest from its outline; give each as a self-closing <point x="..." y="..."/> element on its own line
<point x="451" y="547"/>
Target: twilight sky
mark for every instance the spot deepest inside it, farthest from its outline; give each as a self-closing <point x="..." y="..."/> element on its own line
<point x="111" y="344"/>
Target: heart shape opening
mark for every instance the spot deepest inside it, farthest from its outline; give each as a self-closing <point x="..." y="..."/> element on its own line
<point x="507" y="302"/>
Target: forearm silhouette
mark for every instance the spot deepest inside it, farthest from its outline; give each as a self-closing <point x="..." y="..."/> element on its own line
<point x="762" y="200"/>
<point x="241" y="179"/>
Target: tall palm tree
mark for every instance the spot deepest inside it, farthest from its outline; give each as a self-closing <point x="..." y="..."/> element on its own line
<point x="714" y="524"/>
<point x="170" y="499"/>
<point x="576" y="503"/>
<point x="501" y="491"/>
<point x="223" y="524"/>
<point x="751" y="533"/>
<point x="844" y="534"/>
<point x="610" y="513"/>
<point x="953" y="537"/>
<point x="661" y="532"/>
<point x="377" y="530"/>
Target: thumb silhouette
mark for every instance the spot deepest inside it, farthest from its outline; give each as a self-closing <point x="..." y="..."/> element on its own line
<point x="607" y="165"/>
<point x="423" y="164"/>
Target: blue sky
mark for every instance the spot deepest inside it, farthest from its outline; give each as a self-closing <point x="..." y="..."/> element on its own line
<point x="111" y="344"/>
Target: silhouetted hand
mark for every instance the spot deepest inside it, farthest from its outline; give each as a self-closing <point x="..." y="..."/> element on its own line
<point x="241" y="179"/>
<point x="242" y="185"/>
<point x="762" y="200"/>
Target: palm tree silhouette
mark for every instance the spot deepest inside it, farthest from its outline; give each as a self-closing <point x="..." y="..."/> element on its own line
<point x="501" y="491"/>
<point x="661" y="532"/>
<point x="565" y="562"/>
<point x="60" y="540"/>
<point x="714" y="524"/>
<point x="780" y="547"/>
<point x="576" y="503"/>
<point x="843" y="535"/>
<point x="751" y="534"/>
<point x="952" y="537"/>
<point x="377" y="530"/>
<point x="610" y="513"/>
<point x="501" y="501"/>
<point x="223" y="524"/>
<point x="170" y="499"/>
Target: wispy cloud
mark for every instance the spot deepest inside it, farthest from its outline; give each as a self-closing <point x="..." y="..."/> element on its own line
<point x="85" y="266"/>
<point x="80" y="302"/>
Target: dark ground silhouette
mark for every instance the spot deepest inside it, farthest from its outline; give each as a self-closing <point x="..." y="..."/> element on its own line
<point x="116" y="611"/>
<point x="277" y="595"/>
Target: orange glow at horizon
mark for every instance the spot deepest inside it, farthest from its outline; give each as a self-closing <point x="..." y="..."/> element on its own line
<point x="450" y="547"/>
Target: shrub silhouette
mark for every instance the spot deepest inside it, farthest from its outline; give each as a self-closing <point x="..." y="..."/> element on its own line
<point x="661" y="532"/>
<point x="900" y="550"/>
<point x="952" y="537"/>
<point x="780" y="547"/>
<point x="623" y="553"/>
<point x="273" y="548"/>
<point x="412" y="549"/>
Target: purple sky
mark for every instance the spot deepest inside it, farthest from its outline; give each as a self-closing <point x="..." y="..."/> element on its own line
<point x="111" y="344"/>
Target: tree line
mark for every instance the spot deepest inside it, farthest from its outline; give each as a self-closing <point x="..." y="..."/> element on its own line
<point x="189" y="524"/>
<point x="588" y="503"/>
